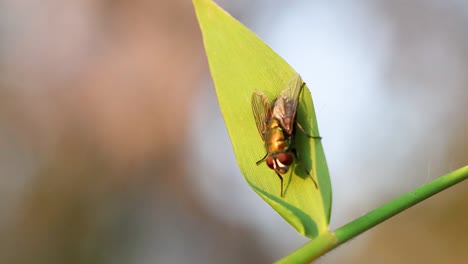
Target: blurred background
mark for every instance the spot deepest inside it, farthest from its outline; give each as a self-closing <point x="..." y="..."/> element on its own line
<point x="113" y="148"/>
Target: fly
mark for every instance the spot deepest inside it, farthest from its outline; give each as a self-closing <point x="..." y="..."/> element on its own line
<point x="276" y="123"/>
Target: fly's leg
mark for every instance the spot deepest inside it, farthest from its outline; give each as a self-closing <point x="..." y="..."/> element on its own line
<point x="281" y="179"/>
<point x="302" y="86"/>
<point x="296" y="155"/>
<point x="305" y="133"/>
<point x="263" y="159"/>
<point x="300" y="126"/>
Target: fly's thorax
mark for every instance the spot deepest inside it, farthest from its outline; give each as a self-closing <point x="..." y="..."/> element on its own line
<point x="275" y="138"/>
<point x="280" y="162"/>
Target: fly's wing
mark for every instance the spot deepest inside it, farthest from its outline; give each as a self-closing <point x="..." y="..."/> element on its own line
<point x="261" y="108"/>
<point x="284" y="109"/>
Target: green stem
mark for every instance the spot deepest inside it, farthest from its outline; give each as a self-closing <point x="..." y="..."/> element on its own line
<point x="328" y="241"/>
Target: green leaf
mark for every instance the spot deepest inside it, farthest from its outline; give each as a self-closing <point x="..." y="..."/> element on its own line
<point x="240" y="63"/>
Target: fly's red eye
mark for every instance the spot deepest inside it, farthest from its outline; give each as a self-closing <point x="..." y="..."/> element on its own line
<point x="285" y="158"/>
<point x="270" y="162"/>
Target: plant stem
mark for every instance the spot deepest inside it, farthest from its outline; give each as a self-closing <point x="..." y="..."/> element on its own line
<point x="312" y="250"/>
<point x="328" y="241"/>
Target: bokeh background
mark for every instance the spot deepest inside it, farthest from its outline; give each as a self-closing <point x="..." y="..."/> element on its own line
<point x="113" y="149"/>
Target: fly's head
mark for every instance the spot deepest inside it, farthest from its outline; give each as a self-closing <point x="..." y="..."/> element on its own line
<point x="280" y="162"/>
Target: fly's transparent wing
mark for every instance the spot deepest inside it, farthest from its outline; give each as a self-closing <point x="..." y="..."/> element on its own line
<point x="261" y="108"/>
<point x="285" y="107"/>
